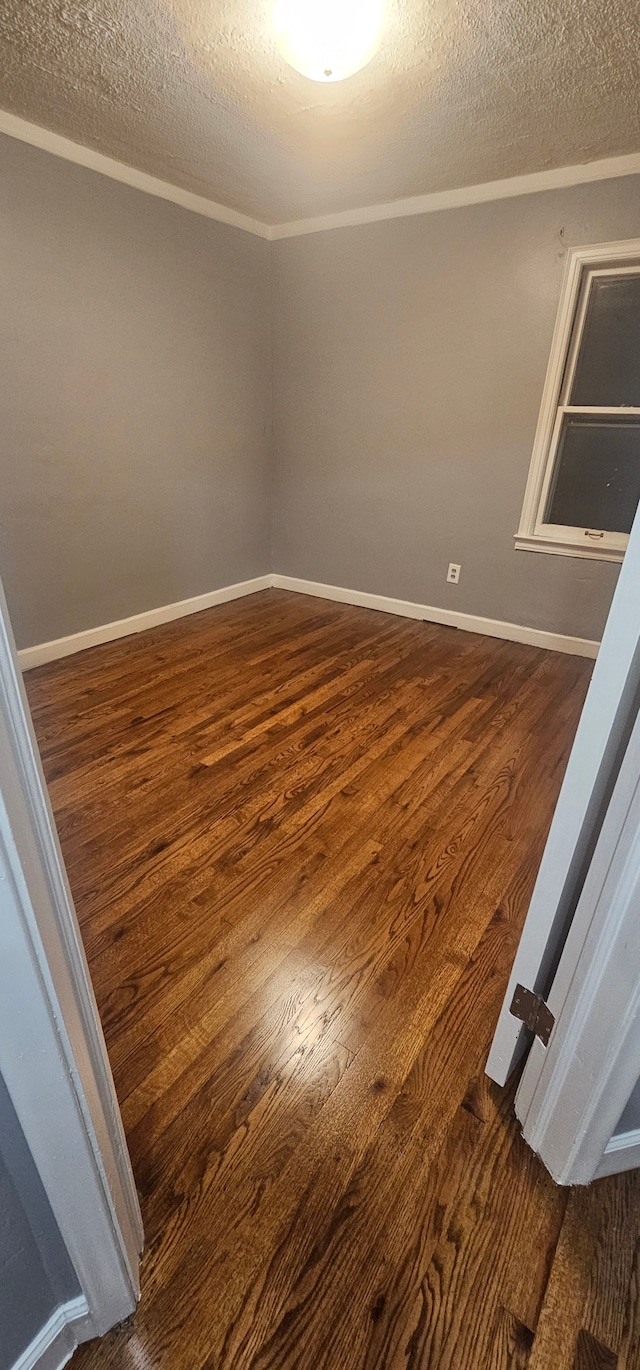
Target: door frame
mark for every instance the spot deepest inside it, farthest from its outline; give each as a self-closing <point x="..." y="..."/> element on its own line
<point x="52" y="1051"/>
<point x="574" y="1090"/>
<point x="600" y="741"/>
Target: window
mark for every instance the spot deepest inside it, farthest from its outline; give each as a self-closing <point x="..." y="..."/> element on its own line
<point x="584" y="483"/>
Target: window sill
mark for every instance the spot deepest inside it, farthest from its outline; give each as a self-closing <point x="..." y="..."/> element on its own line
<point x="531" y="542"/>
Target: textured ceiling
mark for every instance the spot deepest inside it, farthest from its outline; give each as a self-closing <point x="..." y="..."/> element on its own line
<point x="196" y="93"/>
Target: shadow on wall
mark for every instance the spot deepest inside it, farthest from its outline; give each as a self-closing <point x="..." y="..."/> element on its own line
<point x="36" y="1275"/>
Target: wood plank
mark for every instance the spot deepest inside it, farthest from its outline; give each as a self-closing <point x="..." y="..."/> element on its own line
<point x="629" y="1357"/>
<point x="566" y="1302"/>
<point x="511" y="1343"/>
<point x="592" y="1355"/>
<point x="618" y="1200"/>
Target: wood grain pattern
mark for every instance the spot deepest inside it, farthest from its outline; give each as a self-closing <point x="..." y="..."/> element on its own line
<point x="302" y="838"/>
<point x="512" y="1342"/>
<point x="592" y="1355"/>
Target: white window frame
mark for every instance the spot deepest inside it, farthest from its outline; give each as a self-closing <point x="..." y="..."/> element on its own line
<point x="534" y="535"/>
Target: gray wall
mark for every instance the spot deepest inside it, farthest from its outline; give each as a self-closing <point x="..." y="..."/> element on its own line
<point x="409" y="362"/>
<point x="138" y="465"/>
<point x="35" y="1272"/>
<point x="135" y="398"/>
<point x="630" y="1120"/>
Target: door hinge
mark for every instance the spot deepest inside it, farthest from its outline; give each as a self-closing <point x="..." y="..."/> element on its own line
<point x="531" y="1009"/>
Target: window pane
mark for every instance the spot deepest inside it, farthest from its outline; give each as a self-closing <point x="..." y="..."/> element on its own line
<point x="597" y="474"/>
<point x="608" y="367"/>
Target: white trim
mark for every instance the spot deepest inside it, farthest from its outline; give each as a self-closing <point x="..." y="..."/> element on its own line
<point x="472" y="623"/>
<point x="535" y="543"/>
<point x="65" y="1101"/>
<point x="137" y="623"/>
<point x="58" y="146"/>
<point x="573" y="1091"/>
<point x="56" y="1342"/>
<point x="605" y="722"/>
<point x="622" y="1153"/>
<point x="560" y="178"/>
<point x="151" y="618"/>
<point x="533" y="535"/>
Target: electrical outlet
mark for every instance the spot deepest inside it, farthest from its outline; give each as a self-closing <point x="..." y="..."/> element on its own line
<point x="453" y="574"/>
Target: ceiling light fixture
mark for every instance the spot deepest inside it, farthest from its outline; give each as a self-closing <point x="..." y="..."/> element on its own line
<point x="328" y="40"/>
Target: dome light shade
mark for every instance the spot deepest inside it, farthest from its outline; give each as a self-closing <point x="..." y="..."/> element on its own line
<point x="328" y="40"/>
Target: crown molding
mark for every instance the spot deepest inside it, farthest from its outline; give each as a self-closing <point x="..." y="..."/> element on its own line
<point x="607" y="168"/>
<point x="47" y="141"/>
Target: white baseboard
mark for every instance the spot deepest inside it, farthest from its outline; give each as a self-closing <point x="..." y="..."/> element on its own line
<point x="122" y="627"/>
<point x="471" y="623"/>
<point x="57" y="1340"/>
<point x="622" y="1153"/>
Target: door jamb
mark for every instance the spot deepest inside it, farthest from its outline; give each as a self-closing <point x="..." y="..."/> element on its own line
<point x="573" y="1092"/>
<point x="52" y="1050"/>
<point x="602" y="735"/>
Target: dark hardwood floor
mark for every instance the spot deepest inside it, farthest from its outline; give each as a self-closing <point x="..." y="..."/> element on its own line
<point x="302" y="838"/>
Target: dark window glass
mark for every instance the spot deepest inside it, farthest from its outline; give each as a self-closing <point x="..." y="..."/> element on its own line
<point x="608" y="368"/>
<point x="597" y="474"/>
